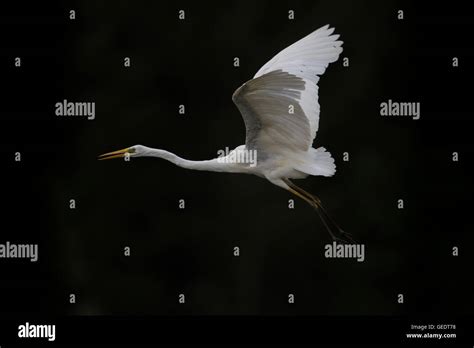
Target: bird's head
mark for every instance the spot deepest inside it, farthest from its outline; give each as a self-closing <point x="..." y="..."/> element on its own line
<point x="132" y="151"/>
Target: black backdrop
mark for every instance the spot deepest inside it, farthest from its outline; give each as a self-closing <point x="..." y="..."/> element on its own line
<point x="189" y="251"/>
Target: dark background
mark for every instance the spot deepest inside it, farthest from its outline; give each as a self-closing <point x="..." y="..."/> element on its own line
<point x="189" y="251"/>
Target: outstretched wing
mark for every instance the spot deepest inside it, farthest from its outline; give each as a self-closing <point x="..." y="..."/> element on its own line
<point x="280" y="104"/>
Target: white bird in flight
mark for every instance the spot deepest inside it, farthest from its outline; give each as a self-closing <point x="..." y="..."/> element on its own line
<point x="281" y="113"/>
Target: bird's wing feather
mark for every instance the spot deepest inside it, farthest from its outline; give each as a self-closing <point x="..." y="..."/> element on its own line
<point x="288" y="82"/>
<point x="265" y="104"/>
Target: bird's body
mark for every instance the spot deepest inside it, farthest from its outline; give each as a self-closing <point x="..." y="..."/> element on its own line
<point x="281" y="113"/>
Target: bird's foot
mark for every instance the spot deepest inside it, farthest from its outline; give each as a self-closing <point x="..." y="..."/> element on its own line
<point x="344" y="238"/>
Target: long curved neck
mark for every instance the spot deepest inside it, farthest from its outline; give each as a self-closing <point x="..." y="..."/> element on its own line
<point x="212" y="165"/>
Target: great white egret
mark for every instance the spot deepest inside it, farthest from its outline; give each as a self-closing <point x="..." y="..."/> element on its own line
<point x="281" y="113"/>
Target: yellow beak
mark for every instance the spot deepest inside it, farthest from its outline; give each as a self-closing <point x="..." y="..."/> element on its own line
<point x="114" y="154"/>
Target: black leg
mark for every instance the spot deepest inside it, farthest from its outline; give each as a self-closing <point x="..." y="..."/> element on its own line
<point x="315" y="202"/>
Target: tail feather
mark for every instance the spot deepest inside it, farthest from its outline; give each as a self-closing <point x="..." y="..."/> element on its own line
<point x="320" y="162"/>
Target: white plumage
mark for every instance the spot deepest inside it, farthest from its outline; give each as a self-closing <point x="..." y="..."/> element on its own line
<point x="288" y="82"/>
<point x="281" y="113"/>
<point x="308" y="58"/>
